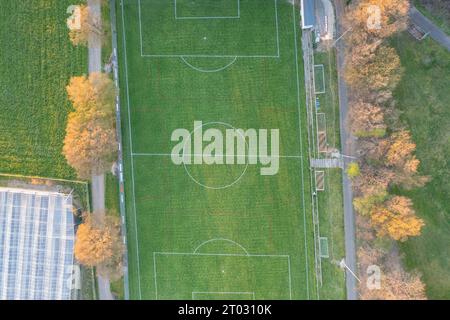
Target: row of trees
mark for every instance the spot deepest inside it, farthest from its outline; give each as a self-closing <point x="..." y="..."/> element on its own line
<point x="90" y="147"/>
<point x="384" y="144"/>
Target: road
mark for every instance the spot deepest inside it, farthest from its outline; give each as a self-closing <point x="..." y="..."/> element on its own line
<point x="428" y="26"/>
<point x="347" y="143"/>
<point x="98" y="182"/>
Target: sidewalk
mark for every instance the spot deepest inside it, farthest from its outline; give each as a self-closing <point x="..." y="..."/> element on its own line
<point x="98" y="182"/>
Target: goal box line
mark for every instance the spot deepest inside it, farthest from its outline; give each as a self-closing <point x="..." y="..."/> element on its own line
<point x="145" y="55"/>
<point x="178" y="17"/>
<point x="155" y="273"/>
<point x="194" y="293"/>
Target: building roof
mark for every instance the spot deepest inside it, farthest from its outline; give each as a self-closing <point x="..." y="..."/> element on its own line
<point x="36" y="245"/>
<point x="308" y="13"/>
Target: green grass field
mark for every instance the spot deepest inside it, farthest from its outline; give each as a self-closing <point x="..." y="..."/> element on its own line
<point x="330" y="200"/>
<point x="36" y="63"/>
<point x="253" y="239"/>
<point x="423" y="95"/>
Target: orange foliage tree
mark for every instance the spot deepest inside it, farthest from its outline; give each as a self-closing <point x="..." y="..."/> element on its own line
<point x="85" y="28"/>
<point x="377" y="18"/>
<point x="381" y="70"/>
<point x="366" y="119"/>
<point x="90" y="143"/>
<point x="98" y="244"/>
<point x="396" y="218"/>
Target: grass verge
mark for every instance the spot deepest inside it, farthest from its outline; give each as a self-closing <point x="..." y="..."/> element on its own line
<point x="423" y="96"/>
<point x="330" y="201"/>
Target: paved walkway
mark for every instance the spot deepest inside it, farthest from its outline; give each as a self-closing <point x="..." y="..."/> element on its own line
<point x="347" y="142"/>
<point x="98" y="182"/>
<point x="327" y="163"/>
<point x="428" y="26"/>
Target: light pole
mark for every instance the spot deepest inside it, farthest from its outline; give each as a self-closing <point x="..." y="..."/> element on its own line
<point x="339" y="155"/>
<point x="343" y="265"/>
<point x="341" y="36"/>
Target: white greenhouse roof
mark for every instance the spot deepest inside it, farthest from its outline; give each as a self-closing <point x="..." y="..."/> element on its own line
<point x="36" y="245"/>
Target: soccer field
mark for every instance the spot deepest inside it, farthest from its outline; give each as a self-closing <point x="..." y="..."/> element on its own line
<point x="210" y="228"/>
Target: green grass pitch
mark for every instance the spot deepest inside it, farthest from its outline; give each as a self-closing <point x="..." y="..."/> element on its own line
<point x="36" y="63"/>
<point x="239" y="65"/>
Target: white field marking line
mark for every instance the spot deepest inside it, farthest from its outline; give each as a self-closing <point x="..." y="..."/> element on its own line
<point x="131" y="151"/>
<point x="175" y="9"/>
<point x="209" y="71"/>
<point x="222" y="254"/>
<point x="276" y="24"/>
<point x="301" y="151"/>
<point x="154" y="276"/>
<point x="203" y="55"/>
<point x="226" y="255"/>
<point x="140" y="26"/>
<point x="198" y="155"/>
<point x="221" y="292"/>
<point x="206" y="56"/>
<point x="323" y="79"/>
<point x="290" y="279"/>
<point x="198" y="182"/>
<point x="206" y="17"/>
<point x="221" y="239"/>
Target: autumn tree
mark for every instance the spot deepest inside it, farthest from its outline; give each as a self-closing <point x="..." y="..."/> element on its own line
<point x="353" y="170"/>
<point x="400" y="156"/>
<point x="90" y="144"/>
<point x="396" y="218"/>
<point x="377" y="18"/>
<point x="98" y="244"/>
<point x="394" y="282"/>
<point x="97" y="91"/>
<point x="397" y="285"/>
<point x="366" y="119"/>
<point x="366" y="203"/>
<point x="381" y="70"/>
<point x="85" y="27"/>
<point x="400" y="151"/>
<point x="372" y="180"/>
<point x="392" y="157"/>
